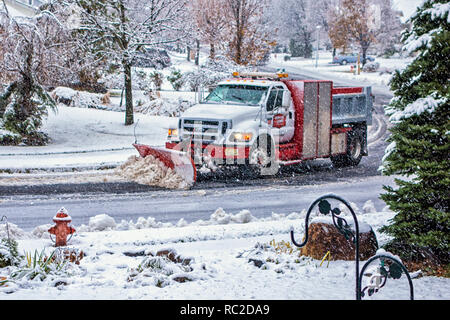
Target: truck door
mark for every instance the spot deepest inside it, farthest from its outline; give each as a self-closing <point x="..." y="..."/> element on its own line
<point x="280" y="113"/>
<point x="316" y="120"/>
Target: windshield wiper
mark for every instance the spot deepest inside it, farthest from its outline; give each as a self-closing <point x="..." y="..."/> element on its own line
<point x="215" y="93"/>
<point x="236" y="97"/>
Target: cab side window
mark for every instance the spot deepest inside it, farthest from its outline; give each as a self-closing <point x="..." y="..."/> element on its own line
<point x="275" y="99"/>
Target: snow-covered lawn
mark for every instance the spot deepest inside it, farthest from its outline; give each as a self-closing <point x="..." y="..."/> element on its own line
<point x="217" y="253"/>
<point x="84" y="137"/>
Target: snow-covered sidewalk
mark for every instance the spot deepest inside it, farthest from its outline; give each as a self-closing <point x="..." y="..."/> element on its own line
<point x="118" y="264"/>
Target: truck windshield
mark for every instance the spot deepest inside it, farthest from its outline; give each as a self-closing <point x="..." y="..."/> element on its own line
<point x="235" y="93"/>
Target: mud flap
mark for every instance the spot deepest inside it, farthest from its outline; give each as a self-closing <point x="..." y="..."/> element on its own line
<point x="179" y="161"/>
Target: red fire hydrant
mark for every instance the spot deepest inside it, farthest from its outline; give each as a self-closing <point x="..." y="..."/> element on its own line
<point x="61" y="229"/>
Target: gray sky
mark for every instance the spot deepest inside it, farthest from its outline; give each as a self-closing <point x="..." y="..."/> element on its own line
<point x="407" y="6"/>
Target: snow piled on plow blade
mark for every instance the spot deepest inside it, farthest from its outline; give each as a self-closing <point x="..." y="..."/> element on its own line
<point x="151" y="171"/>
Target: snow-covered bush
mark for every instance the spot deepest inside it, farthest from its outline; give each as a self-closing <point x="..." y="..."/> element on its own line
<point x="114" y="80"/>
<point x="80" y="99"/>
<point x="211" y="72"/>
<point x="9" y="255"/>
<point x="23" y="106"/>
<point x="164" y="268"/>
<point x="8" y="138"/>
<point x="164" y="107"/>
<point x="280" y="257"/>
<point x="157" y="79"/>
<point x="176" y="79"/>
<point x="203" y="78"/>
<point x="39" y="266"/>
<point x="371" y="67"/>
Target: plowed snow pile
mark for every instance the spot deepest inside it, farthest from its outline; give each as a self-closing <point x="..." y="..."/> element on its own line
<point x="150" y="171"/>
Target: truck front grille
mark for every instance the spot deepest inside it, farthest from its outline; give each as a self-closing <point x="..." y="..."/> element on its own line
<point x="203" y="131"/>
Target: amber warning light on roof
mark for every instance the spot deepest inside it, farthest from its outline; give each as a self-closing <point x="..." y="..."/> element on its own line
<point x="260" y="75"/>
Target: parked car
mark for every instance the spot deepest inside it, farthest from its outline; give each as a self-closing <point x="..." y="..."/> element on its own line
<point x="152" y="58"/>
<point x="349" y="58"/>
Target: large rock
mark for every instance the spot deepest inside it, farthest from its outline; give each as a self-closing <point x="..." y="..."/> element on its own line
<point x="323" y="236"/>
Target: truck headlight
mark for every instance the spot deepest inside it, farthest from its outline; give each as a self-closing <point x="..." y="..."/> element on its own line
<point x="241" y="137"/>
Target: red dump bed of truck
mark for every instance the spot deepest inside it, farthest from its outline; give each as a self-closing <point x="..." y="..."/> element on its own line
<point x="313" y="102"/>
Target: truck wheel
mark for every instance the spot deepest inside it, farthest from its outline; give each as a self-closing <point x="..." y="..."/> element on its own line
<point x="262" y="158"/>
<point x="344" y="62"/>
<point x="354" y="152"/>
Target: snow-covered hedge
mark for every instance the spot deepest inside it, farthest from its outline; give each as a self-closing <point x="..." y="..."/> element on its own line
<point x="80" y="99"/>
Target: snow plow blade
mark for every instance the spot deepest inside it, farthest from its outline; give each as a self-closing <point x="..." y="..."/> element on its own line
<point x="176" y="160"/>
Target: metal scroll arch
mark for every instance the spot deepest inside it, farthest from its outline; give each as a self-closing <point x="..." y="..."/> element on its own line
<point x="344" y="228"/>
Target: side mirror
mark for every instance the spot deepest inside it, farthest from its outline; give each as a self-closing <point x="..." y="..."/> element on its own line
<point x="286" y="99"/>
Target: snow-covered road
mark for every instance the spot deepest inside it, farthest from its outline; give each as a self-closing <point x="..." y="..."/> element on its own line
<point x="191" y="205"/>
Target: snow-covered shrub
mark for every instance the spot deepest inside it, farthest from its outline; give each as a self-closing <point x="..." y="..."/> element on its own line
<point x="386" y="70"/>
<point x="9" y="255"/>
<point x="8" y="138"/>
<point x="203" y="78"/>
<point x="164" y="268"/>
<point x="142" y="81"/>
<point x="39" y="266"/>
<point x="114" y="80"/>
<point x="41" y="232"/>
<point x="164" y="107"/>
<point x="23" y="107"/>
<point x="157" y="79"/>
<point x="80" y="99"/>
<point x="280" y="257"/>
<point x="211" y="72"/>
<point x="176" y="79"/>
<point x="371" y="67"/>
<point x="157" y="270"/>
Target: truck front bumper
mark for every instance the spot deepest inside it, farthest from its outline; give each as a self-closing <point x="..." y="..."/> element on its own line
<point x="220" y="154"/>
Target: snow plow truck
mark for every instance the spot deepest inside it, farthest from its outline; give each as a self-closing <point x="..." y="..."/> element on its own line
<point x="265" y="120"/>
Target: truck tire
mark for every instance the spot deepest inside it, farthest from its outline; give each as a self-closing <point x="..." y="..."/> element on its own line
<point x="262" y="157"/>
<point x="344" y="62"/>
<point x="354" y="152"/>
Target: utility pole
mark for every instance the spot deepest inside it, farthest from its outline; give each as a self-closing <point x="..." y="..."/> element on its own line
<point x="317" y="51"/>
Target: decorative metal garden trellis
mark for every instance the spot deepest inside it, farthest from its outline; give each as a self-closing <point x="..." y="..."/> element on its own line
<point x="9" y="242"/>
<point x="377" y="280"/>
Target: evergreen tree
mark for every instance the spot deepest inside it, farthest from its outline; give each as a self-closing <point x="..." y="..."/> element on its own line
<point x="419" y="149"/>
<point x="301" y="49"/>
<point x="28" y="58"/>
